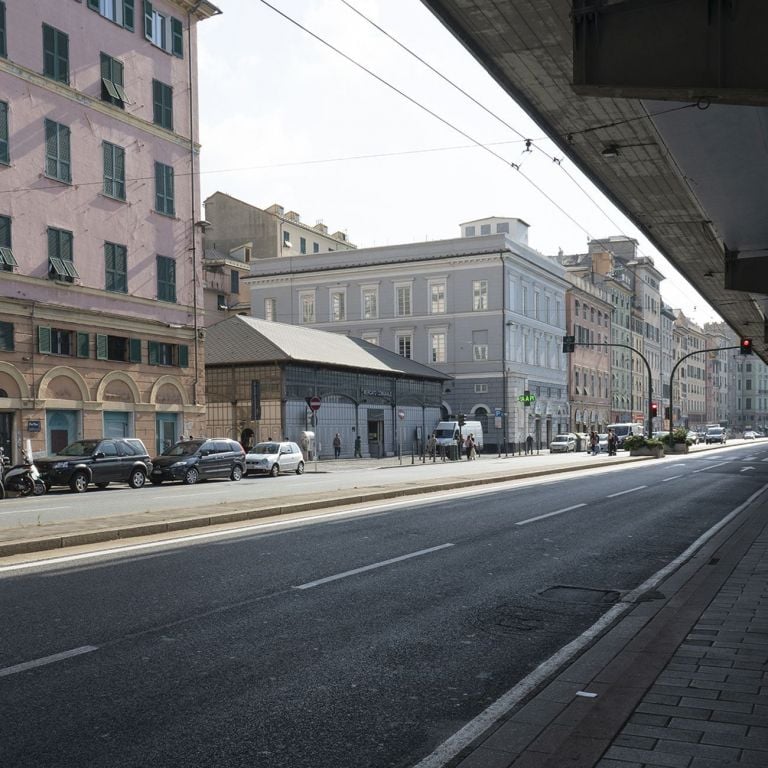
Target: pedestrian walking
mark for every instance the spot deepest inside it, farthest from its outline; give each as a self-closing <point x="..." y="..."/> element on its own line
<point x="431" y="446"/>
<point x="358" y="451"/>
<point x="529" y="445"/>
<point x="336" y="446"/>
<point x="594" y="442"/>
<point x="612" y="442"/>
<point x="470" y="447"/>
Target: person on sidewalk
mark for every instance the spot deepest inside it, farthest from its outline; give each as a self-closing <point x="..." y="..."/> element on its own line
<point x="358" y="448"/>
<point x="529" y="445"/>
<point x="336" y="446"/>
<point x="431" y="446"/>
<point x="612" y="442"/>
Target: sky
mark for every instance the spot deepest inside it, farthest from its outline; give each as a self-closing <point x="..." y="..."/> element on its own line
<point x="398" y="157"/>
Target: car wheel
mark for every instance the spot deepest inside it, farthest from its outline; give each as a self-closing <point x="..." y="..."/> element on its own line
<point x="191" y="476"/>
<point x="237" y="473"/>
<point x="300" y="468"/>
<point x="102" y="485"/>
<point x="137" y="479"/>
<point x="275" y="471"/>
<point x="78" y="483"/>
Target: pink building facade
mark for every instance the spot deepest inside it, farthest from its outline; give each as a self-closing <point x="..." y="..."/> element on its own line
<point x="101" y="328"/>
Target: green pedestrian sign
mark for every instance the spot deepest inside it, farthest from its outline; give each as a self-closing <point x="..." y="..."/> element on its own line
<point x="526" y="398"/>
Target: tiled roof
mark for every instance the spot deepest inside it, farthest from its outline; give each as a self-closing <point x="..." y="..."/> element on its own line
<point x="243" y="339"/>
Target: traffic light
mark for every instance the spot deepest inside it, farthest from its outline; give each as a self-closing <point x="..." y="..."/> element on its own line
<point x="461" y="420"/>
<point x="569" y="343"/>
<point x="745" y="347"/>
<point x="654" y="410"/>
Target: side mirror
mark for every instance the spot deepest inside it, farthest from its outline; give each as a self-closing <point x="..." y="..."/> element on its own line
<point x="98" y="455"/>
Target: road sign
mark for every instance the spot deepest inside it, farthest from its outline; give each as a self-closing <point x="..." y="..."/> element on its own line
<point x="527" y="398"/>
<point x="497" y="412"/>
<point x="314" y="403"/>
<point x="401" y="415"/>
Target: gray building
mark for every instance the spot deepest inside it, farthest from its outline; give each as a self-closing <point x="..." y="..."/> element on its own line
<point x="260" y="375"/>
<point x="486" y="310"/>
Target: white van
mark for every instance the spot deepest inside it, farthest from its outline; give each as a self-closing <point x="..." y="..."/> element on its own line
<point x="623" y="431"/>
<point x="445" y="433"/>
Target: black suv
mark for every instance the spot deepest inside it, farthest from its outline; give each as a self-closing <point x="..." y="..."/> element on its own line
<point x="199" y="459"/>
<point x="101" y="462"/>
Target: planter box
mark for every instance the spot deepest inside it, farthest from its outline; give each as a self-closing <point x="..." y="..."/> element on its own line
<point x="676" y="448"/>
<point x="656" y="452"/>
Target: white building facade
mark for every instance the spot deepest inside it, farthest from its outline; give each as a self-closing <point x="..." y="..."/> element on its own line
<point x="486" y="310"/>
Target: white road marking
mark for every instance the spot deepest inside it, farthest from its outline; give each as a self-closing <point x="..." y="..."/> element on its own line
<point x="629" y="490"/>
<point x="475" y="728"/>
<point x="47" y="660"/>
<point x="371" y="567"/>
<point x="674" y="477"/>
<point x="711" y="466"/>
<point x="550" y="514"/>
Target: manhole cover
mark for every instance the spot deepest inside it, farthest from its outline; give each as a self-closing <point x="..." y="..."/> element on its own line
<point x="569" y="594"/>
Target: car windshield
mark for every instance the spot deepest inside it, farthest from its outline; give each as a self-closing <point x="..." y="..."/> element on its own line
<point x="562" y="438"/>
<point x="266" y="448"/>
<point x="444" y="433"/>
<point x="187" y="448"/>
<point x="80" y="448"/>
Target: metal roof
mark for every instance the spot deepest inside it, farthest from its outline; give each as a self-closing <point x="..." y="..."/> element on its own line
<point x="242" y="339"/>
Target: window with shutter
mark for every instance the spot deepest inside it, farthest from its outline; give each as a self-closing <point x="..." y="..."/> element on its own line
<point x="83" y="344"/>
<point x="112" y="89"/>
<point x="164" y="198"/>
<point x="166" y="279"/>
<point x="5" y="154"/>
<point x="43" y="340"/>
<point x="3" y="45"/>
<point x="7" y="259"/>
<point x="57" y="153"/>
<point x="6" y="337"/>
<point x="55" y="54"/>
<point x="60" y="263"/>
<point x="162" y="99"/>
<point x="114" y="170"/>
<point x="135" y="352"/>
<point x="116" y="267"/>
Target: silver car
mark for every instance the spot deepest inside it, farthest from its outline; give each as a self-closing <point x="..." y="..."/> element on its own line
<point x="563" y="443"/>
<point x="272" y="458"/>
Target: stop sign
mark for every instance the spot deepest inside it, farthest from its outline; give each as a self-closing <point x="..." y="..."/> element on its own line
<point x="314" y="403"/>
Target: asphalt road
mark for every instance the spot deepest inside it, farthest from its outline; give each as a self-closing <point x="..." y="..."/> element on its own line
<point x="357" y="641"/>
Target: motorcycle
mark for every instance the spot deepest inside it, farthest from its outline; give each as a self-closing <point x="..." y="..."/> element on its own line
<point x="22" y="479"/>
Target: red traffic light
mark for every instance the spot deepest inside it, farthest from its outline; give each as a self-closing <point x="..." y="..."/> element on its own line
<point x="746" y="346"/>
<point x="654" y="409"/>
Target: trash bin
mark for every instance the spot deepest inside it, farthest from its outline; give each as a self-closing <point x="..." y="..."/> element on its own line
<point x="453" y="452"/>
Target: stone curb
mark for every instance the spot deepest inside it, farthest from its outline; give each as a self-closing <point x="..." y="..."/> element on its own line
<point x="79" y="538"/>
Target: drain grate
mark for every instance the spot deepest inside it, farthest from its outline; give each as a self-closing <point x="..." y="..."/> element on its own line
<point x="565" y="593"/>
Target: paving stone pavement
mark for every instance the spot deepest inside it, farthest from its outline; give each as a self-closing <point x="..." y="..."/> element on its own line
<point x="709" y="707"/>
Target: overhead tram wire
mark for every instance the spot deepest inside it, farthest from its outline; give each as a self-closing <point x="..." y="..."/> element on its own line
<point x="430" y="112"/>
<point x="531" y="142"/>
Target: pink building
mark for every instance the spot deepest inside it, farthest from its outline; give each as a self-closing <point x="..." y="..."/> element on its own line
<point x="100" y="252"/>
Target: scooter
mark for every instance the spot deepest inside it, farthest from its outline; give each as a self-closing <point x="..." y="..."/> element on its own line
<point x="22" y="479"/>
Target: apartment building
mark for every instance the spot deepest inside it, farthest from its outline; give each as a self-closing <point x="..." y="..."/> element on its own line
<point x="101" y="291"/>
<point x="484" y="308"/>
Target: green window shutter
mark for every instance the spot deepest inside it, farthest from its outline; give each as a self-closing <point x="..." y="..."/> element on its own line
<point x="53" y="242"/>
<point x="49" y="55"/>
<point x="101" y="346"/>
<point x="4" y="153"/>
<point x="128" y="15"/>
<point x="183" y="356"/>
<point x="66" y="245"/>
<point x="106" y="66"/>
<point x="135" y="352"/>
<point x="177" y="38"/>
<point x="6" y="337"/>
<point x="147" y="19"/>
<point x="152" y="349"/>
<point x="83" y="344"/>
<point x="43" y="339"/>
<point x="93" y="5"/>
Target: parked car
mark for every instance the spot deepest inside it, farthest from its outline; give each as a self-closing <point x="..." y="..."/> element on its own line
<point x="199" y="459"/>
<point x="715" y="435"/>
<point x="100" y="461"/>
<point x="272" y="458"/>
<point x="750" y="435"/>
<point x="563" y="443"/>
<point x="693" y="436"/>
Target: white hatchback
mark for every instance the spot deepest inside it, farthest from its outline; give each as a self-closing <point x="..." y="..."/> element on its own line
<point x="272" y="458"/>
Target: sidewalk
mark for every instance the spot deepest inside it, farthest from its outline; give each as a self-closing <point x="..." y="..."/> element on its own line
<point x="680" y="681"/>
